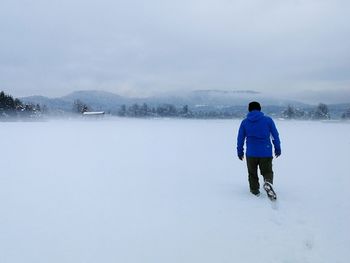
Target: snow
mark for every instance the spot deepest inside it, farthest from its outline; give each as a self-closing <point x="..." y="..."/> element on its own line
<point x="134" y="190"/>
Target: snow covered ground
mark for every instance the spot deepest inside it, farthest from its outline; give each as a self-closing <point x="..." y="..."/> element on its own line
<point x="128" y="190"/>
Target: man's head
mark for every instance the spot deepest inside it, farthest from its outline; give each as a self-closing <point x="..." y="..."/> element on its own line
<point x="254" y="106"/>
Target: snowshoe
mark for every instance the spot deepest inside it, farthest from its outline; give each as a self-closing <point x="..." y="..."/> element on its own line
<point x="270" y="192"/>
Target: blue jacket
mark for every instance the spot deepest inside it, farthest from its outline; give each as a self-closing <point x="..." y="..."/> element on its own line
<point x="257" y="129"/>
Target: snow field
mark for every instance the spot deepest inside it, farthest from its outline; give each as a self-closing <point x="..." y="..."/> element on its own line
<point x="129" y="190"/>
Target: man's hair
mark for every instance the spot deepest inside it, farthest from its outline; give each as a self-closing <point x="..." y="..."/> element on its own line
<point x="254" y="106"/>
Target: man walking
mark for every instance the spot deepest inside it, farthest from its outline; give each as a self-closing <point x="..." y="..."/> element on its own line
<point x="257" y="129"/>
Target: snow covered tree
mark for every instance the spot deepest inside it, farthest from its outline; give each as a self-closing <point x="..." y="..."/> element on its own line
<point x="166" y="110"/>
<point x="144" y="110"/>
<point x="289" y="113"/>
<point x="18" y="103"/>
<point x="346" y="115"/>
<point x="6" y="102"/>
<point x="293" y="113"/>
<point x="80" y="107"/>
<point x="8" y="105"/>
<point x="122" y="111"/>
<point x="185" y="112"/>
<point x="134" y="110"/>
<point x="322" y="112"/>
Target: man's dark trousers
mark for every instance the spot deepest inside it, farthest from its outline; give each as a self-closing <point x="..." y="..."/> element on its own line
<point x="265" y="166"/>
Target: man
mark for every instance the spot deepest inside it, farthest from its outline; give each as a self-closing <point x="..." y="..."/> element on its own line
<point x="256" y="129"/>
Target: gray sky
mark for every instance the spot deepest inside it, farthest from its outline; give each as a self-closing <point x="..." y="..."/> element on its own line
<point x="134" y="47"/>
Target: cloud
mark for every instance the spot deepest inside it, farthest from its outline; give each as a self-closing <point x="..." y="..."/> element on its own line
<point x="57" y="46"/>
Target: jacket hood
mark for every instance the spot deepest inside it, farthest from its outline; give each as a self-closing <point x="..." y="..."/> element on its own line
<point x="255" y="115"/>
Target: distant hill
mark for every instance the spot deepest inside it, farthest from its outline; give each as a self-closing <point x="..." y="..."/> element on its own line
<point x="98" y="100"/>
<point x="102" y="100"/>
<point x="95" y="99"/>
<point x="51" y="103"/>
<point x="235" y="98"/>
<point x="94" y="96"/>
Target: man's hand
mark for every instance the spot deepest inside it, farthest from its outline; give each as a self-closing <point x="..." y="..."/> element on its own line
<point x="241" y="157"/>
<point x="277" y="153"/>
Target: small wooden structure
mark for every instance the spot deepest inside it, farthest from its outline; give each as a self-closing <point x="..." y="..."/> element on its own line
<point x="96" y="114"/>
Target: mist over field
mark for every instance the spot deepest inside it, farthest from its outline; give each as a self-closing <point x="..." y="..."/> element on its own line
<point x="167" y="190"/>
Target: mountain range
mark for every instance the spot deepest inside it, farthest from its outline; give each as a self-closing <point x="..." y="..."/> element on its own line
<point x="102" y="100"/>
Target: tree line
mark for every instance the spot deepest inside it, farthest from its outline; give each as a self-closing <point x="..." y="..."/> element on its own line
<point x="12" y="107"/>
<point x="321" y="112"/>
<point x="144" y="110"/>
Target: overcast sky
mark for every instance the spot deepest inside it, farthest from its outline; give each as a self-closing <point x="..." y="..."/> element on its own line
<point x="135" y="47"/>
